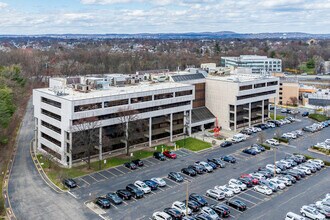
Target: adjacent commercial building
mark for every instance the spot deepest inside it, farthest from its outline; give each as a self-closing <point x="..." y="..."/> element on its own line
<point x="258" y="64"/>
<point x="241" y="100"/>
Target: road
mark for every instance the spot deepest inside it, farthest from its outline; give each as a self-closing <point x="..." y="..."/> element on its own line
<point x="29" y="195"/>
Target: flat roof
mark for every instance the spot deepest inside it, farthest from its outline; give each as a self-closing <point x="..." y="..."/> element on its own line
<point x="239" y="78"/>
<point x="251" y="57"/>
<point x="72" y="94"/>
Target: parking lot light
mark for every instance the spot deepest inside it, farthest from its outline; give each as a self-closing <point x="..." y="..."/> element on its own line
<point x="187" y="198"/>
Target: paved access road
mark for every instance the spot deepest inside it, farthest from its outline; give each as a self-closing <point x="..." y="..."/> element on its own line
<point x="29" y="195"/>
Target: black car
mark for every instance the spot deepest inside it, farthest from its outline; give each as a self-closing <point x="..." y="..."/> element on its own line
<point x="305" y="114"/>
<point x="198" y="198"/>
<point x="229" y="158"/>
<point x="138" y="162"/>
<point x="175" y="214"/>
<point x="246" y="181"/>
<point x="249" y="151"/>
<point x="226" y="144"/>
<point x="130" y="165"/>
<point x="135" y="191"/>
<point x="152" y="184"/>
<point x="175" y="176"/>
<point x="213" y="165"/>
<point x="259" y="147"/>
<point x="159" y="156"/>
<point x="70" y="183"/>
<point x="292" y="178"/>
<point x="114" y="198"/>
<point x="218" y="162"/>
<point x="222" y="210"/>
<point x="103" y="202"/>
<point x="261" y="126"/>
<point x="265" y="173"/>
<point x="193" y="205"/>
<point x="188" y="171"/>
<point x="294" y="174"/>
<point x="246" y="131"/>
<point x="198" y="169"/>
<point x="237" y="204"/>
<point x="124" y="194"/>
<point x="203" y="216"/>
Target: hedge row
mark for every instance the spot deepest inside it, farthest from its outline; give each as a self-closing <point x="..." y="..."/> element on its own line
<point x="267" y="147"/>
<point x="326" y="151"/>
<point x="281" y="140"/>
<point x="327" y="163"/>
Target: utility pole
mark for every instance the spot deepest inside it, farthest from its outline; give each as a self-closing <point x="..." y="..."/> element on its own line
<point x="187" y="198"/>
<point x="274" y="161"/>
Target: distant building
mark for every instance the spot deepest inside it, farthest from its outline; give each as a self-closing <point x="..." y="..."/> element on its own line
<point x="288" y="93"/>
<point x="258" y="64"/>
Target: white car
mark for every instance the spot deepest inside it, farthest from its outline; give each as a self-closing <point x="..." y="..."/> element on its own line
<point x="205" y="166"/>
<point x="159" y="181"/>
<point x="234" y="188"/>
<point x="311" y="212"/>
<point x="263" y="189"/>
<point x="327" y="141"/>
<point x="271" y="167"/>
<point x="272" y="142"/>
<point x="277" y="183"/>
<point x="142" y="186"/>
<point x="237" y="183"/>
<point x="181" y="207"/>
<point x="319" y="204"/>
<point x="258" y="176"/>
<point x="286" y="181"/>
<point x="270" y="124"/>
<point x="216" y="194"/>
<point x="254" y="129"/>
<point x="317" y="161"/>
<point x="303" y="169"/>
<point x="161" y="216"/>
<point x="225" y="190"/>
<point x="287" y="163"/>
<point x="292" y="135"/>
<point x="210" y="212"/>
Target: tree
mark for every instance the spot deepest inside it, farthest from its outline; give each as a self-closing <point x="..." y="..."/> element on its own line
<point x="130" y="125"/>
<point x="85" y="138"/>
<point x="272" y="54"/>
<point x="310" y="64"/>
<point x="294" y="101"/>
<point x="278" y="133"/>
<point x="261" y="137"/>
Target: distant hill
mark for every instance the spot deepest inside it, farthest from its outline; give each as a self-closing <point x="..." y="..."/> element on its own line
<point x="190" y="35"/>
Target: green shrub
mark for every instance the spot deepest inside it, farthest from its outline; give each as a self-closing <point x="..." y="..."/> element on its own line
<point x="281" y="140"/>
<point x="318" y="117"/>
<point x="326" y="151"/>
<point x="267" y="147"/>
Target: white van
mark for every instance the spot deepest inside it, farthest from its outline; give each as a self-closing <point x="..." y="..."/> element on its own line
<point x="293" y="216"/>
<point x="238" y="138"/>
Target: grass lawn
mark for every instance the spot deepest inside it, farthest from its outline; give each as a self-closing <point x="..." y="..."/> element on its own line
<point x="278" y="117"/>
<point x="318" y="117"/>
<point x="193" y="144"/>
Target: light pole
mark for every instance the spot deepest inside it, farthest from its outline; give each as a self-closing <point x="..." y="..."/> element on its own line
<point x="187" y="198"/>
<point x="186" y="127"/>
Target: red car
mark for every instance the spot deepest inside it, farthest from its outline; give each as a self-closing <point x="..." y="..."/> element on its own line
<point x="253" y="180"/>
<point x="169" y="154"/>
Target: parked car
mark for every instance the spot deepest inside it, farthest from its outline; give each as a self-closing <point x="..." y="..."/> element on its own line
<point x="237" y="183"/>
<point x="181" y="207"/>
<point x="217" y="161"/>
<point x="229" y="158"/>
<point x="103" y="202"/>
<point x="215" y="194"/>
<point x="70" y="183"/>
<point x="305" y="114"/>
<point x="114" y="198"/>
<point x="130" y="165"/>
<point x="221" y="209"/>
<point x="142" y="186"/>
<point x="174" y="213"/>
<point x="177" y="177"/>
<point x="226" y="144"/>
<point x="138" y="162"/>
<point x="263" y="189"/>
<point x="197" y="168"/>
<point x="210" y="212"/>
<point x="169" y="154"/>
<point x="254" y="181"/>
<point x="258" y="146"/>
<point x="203" y="216"/>
<point x="272" y="142"/>
<point x="250" y="151"/>
<point x="246" y="181"/>
<point x="159" y="156"/>
<point x="237" y="204"/>
<point x="124" y="194"/>
<point x="193" y="205"/>
<point x="160" y="181"/>
<point x="205" y="166"/>
<point x="188" y="171"/>
<point x="293" y="216"/>
<point x="161" y="216"/>
<point x="135" y="191"/>
<point x="198" y="198"/>
<point x="226" y="190"/>
<point x="311" y="212"/>
<point x="151" y="184"/>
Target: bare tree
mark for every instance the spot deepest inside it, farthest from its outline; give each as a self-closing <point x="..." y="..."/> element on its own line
<point x="278" y="133"/>
<point x="294" y="100"/>
<point x="130" y="125"/>
<point x="261" y="137"/>
<point x="85" y="138"/>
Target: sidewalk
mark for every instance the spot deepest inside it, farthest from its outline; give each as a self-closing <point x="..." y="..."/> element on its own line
<point x="209" y="137"/>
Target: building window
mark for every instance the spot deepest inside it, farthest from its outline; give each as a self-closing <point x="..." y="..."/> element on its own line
<point x="259" y="85"/>
<point x="232" y="108"/>
<point x="51" y="127"/>
<point x="247" y="87"/>
<point x="50" y="114"/>
<point x="274" y="83"/>
<point x="51" y="102"/>
<point x="51" y="139"/>
<point x="80" y="108"/>
<point x="183" y="93"/>
<point x="164" y="96"/>
<point x="115" y="103"/>
<point x="141" y="99"/>
<point x="67" y="134"/>
<point x="255" y="95"/>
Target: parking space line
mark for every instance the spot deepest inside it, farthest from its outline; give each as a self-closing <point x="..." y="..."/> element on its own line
<point x="130" y="169"/>
<point x="125" y="202"/>
<point x="111" y="173"/>
<point x="150" y="161"/>
<point x="172" y="181"/>
<point x="103" y="175"/>
<point x="94" y="178"/>
<point x="118" y="170"/>
<point x="84" y="181"/>
<point x="211" y="198"/>
<point x="253" y="196"/>
<point x="245" y="200"/>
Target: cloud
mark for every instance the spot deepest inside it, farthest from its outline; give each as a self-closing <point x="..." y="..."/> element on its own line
<point x="3" y="5"/>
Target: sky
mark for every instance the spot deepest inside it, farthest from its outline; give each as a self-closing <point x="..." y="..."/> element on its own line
<point x="163" y="16"/>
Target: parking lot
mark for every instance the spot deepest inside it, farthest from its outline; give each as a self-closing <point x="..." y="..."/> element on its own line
<point x="97" y="184"/>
